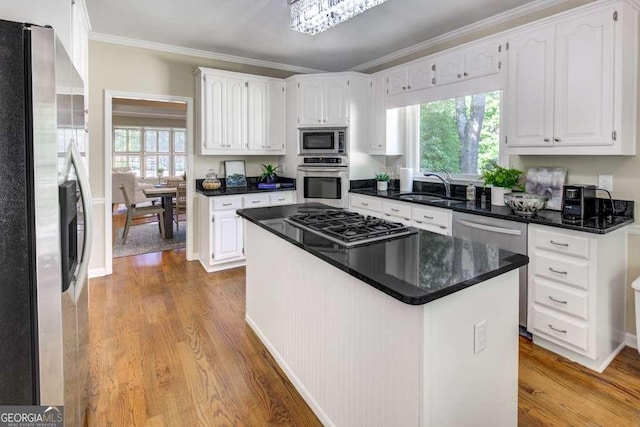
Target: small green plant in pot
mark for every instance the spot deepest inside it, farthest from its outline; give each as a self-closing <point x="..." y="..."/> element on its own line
<point x="501" y="180"/>
<point x="382" y="179"/>
<point x="269" y="174"/>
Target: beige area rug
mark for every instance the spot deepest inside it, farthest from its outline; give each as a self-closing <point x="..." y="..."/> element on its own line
<point x="146" y="238"/>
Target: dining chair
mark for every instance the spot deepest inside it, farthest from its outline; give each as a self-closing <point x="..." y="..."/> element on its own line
<point x="181" y="203"/>
<point x="134" y="211"/>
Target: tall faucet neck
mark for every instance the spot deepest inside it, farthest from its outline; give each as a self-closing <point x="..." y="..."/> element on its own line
<point x="445" y="182"/>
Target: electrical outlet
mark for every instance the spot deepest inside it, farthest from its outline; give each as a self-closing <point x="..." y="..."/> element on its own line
<point x="479" y="336"/>
<point x="605" y="182"/>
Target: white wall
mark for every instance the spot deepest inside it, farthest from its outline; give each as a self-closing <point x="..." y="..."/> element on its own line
<point x="127" y="69"/>
<point x="55" y="13"/>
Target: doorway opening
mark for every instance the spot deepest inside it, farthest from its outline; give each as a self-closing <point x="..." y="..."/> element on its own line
<point x="148" y="150"/>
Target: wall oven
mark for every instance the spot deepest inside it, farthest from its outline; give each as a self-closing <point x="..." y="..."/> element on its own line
<point x="323" y="141"/>
<point x="323" y="180"/>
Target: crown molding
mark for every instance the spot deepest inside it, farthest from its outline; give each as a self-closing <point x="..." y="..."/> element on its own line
<point x="484" y="24"/>
<point x="167" y="48"/>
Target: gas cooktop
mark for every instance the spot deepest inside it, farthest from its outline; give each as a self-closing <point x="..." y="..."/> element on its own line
<point x="349" y="228"/>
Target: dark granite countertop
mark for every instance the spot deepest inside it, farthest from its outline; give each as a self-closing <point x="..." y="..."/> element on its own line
<point x="252" y="187"/>
<point x="545" y="217"/>
<point x="414" y="269"/>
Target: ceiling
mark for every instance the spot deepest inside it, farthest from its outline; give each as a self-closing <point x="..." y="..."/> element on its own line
<point x="125" y="107"/>
<point x="259" y="29"/>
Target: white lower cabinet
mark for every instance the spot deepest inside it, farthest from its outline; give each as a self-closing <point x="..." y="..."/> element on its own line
<point x="436" y="220"/>
<point x="227" y="235"/>
<point x="222" y="230"/>
<point x="432" y="219"/>
<point x="577" y="293"/>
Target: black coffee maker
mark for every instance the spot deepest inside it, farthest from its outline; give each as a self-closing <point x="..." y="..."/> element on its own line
<point x="578" y="202"/>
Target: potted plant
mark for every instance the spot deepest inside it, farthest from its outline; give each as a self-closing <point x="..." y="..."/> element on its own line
<point x="501" y="180"/>
<point x="268" y="174"/>
<point x="382" y="179"/>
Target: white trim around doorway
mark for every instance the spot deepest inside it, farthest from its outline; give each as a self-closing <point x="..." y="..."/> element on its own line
<point x="108" y="149"/>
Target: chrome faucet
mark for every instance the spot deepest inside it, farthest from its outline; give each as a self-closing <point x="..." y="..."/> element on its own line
<point x="445" y="181"/>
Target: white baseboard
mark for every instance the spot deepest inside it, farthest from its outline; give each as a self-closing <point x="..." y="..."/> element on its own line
<point x="313" y="404"/>
<point x="97" y="272"/>
<point x="631" y="340"/>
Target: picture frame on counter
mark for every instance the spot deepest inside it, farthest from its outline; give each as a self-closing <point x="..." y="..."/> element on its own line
<point x="235" y="173"/>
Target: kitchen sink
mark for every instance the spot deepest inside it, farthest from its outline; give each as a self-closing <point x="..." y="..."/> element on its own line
<point x="421" y="198"/>
<point x="427" y="197"/>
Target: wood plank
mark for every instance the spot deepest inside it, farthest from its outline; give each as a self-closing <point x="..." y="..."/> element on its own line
<point x="169" y="346"/>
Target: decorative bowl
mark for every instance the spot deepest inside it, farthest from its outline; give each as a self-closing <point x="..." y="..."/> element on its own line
<point x="525" y="204"/>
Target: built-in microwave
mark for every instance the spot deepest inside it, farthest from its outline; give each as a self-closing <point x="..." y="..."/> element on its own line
<point x="323" y="141"/>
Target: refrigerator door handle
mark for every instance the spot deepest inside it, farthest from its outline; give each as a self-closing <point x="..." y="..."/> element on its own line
<point x="74" y="159"/>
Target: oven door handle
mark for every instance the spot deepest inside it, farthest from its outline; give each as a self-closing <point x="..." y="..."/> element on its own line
<point x="490" y="228"/>
<point x="305" y="169"/>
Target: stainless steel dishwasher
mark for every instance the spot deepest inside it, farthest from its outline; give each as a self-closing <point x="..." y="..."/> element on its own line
<point x="509" y="235"/>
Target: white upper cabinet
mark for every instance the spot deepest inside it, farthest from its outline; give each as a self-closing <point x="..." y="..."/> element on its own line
<point x="212" y="117"/>
<point x="236" y="114"/>
<point x="239" y="113"/>
<point x="310" y="103"/>
<point x="416" y="76"/>
<point x="530" y="88"/>
<point x="397" y="81"/>
<point x="584" y="80"/>
<point x="323" y="102"/>
<point x="335" y="102"/>
<point x="385" y="125"/>
<point x="276" y="118"/>
<point x="257" y="117"/>
<point x="80" y="28"/>
<point x="572" y="85"/>
<point x="470" y="63"/>
<point x="449" y="68"/>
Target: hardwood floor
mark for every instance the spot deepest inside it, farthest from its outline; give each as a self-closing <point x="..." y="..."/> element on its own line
<point x="169" y="346"/>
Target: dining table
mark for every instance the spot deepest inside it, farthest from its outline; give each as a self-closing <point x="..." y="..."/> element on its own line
<point x="166" y="195"/>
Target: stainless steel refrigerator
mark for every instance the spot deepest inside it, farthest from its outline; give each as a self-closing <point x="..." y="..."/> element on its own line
<point x="43" y="254"/>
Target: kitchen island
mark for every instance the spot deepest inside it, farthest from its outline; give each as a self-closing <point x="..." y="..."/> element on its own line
<point x="417" y="330"/>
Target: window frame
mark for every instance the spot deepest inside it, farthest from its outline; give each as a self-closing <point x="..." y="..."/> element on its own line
<point x="412" y="122"/>
<point x="413" y="137"/>
<point x="143" y="153"/>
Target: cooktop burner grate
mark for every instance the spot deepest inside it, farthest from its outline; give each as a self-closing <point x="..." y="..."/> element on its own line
<point x="350" y="228"/>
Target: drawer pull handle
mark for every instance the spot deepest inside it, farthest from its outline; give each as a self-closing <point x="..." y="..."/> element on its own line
<point x="562" y="331"/>
<point x="418" y="222"/>
<point x="281" y="200"/>
<point x="564" y="245"/>
<point x="427" y="217"/>
<point x="557" y="271"/>
<point x="227" y="204"/>
<point x="364" y="204"/>
<point x="395" y="210"/>
<point x="556" y="300"/>
<point x="255" y="201"/>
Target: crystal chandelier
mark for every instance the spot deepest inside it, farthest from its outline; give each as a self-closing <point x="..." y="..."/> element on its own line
<point x="314" y="16"/>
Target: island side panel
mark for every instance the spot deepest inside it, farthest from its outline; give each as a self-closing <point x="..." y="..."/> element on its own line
<point x="353" y="352"/>
<point x="463" y="388"/>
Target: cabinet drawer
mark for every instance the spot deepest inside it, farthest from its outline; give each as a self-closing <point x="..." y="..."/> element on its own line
<point x="256" y="200"/>
<point x="281" y="198"/>
<point x="563" y="243"/>
<point x="399" y="210"/>
<point x="574" y="333"/>
<point x="440" y="229"/>
<point x="369" y="203"/>
<point x="566" y="270"/>
<point x="224" y="203"/>
<point x="561" y="298"/>
<point x="432" y="216"/>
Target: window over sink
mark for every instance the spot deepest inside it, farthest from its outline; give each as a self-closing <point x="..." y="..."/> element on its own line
<point x="458" y="135"/>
